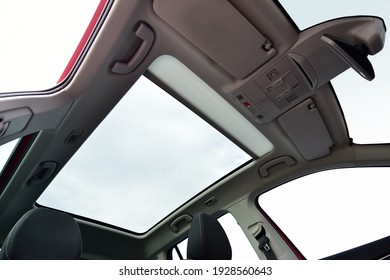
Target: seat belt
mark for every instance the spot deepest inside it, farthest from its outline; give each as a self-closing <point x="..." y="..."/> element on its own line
<point x="264" y="244"/>
<point x="178" y="252"/>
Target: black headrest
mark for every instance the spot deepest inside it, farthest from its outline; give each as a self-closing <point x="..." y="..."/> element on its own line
<point x="207" y="240"/>
<point x="43" y="234"/>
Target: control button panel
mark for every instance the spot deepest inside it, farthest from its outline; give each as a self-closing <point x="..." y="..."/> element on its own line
<point x="272" y="91"/>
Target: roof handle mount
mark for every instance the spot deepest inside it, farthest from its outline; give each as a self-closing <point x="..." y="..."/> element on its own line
<point x="265" y="168"/>
<point x="42" y="173"/>
<point x="180" y="221"/>
<point x="146" y="34"/>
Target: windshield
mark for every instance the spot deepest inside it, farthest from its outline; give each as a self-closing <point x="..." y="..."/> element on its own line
<point x="38" y="38"/>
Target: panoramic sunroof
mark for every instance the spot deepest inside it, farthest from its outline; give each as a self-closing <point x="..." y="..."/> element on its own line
<point x="365" y="104"/>
<point x="148" y="157"/>
<point x="38" y="40"/>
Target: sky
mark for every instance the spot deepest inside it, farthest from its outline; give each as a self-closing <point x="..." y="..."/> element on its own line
<point x="38" y="39"/>
<point x="40" y="64"/>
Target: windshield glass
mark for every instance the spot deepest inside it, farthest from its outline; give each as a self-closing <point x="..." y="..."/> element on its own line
<point x="38" y="38"/>
<point x="365" y="104"/>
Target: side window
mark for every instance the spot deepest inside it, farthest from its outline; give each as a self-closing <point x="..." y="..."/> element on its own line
<point x="332" y="211"/>
<point x="6" y="151"/>
<point x="241" y="247"/>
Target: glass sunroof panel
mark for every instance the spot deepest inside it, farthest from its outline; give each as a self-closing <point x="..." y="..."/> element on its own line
<point x="365" y="104"/>
<point x="38" y="38"/>
<point x="149" y="156"/>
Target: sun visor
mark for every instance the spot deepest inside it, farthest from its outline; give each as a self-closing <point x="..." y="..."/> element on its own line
<point x="220" y="31"/>
<point x="307" y="130"/>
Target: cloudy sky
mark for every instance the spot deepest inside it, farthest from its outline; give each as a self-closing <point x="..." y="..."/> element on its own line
<point x="143" y="162"/>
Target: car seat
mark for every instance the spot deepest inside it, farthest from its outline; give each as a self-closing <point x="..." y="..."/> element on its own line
<point x="207" y="239"/>
<point x="43" y="234"/>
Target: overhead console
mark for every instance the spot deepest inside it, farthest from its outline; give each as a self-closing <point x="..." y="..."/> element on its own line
<point x="281" y="73"/>
<point x="321" y="53"/>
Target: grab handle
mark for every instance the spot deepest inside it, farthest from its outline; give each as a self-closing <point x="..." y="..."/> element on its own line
<point x="146" y="34"/>
<point x="42" y="173"/>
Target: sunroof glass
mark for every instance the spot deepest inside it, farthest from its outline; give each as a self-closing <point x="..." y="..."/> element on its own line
<point x="149" y="156"/>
